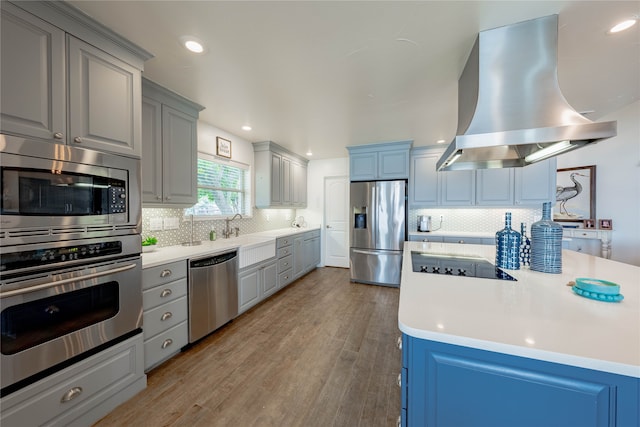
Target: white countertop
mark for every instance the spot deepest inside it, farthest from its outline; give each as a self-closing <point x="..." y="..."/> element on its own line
<point x="538" y="316"/>
<point x="480" y="234"/>
<point x="179" y="252"/>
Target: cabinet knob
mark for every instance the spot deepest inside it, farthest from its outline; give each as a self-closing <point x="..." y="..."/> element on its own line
<point x="165" y="293"/>
<point x="166" y="316"/>
<point x="167" y="343"/>
<point x="77" y="140"/>
<point x="460" y="241"/>
<point x="328" y="226"/>
<point x="71" y="394"/>
<point x="158" y="197"/>
<point x="58" y="135"/>
<point x="165" y="273"/>
<point x="168" y="198"/>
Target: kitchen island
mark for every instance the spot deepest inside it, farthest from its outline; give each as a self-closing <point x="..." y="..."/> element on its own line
<point x="528" y="352"/>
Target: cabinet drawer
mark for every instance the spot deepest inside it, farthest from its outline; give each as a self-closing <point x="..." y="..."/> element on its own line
<point x="165" y="344"/>
<point x="172" y="313"/>
<point x="284" y="241"/>
<point x="64" y="396"/>
<point x="467" y="240"/>
<point x="285" y="263"/>
<point x="285" y="278"/>
<point x="164" y="293"/>
<point x="283" y="252"/>
<point x="163" y="274"/>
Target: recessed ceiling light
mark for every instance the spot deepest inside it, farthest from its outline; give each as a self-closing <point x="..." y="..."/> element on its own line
<point x="624" y="25"/>
<point x="440" y="141"/>
<point x="309" y="153"/>
<point x="246" y="127"/>
<point x="192" y="44"/>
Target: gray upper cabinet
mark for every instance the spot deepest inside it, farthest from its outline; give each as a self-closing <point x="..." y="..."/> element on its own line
<point x="104" y="101"/>
<point x="494" y="187"/>
<point x="536" y="183"/>
<point x="59" y="87"/>
<point x="527" y="186"/>
<point x="389" y="160"/>
<point x="169" y="147"/>
<point x="458" y="188"/>
<point x="33" y="76"/>
<point x="281" y="177"/>
<point x="423" y="177"/>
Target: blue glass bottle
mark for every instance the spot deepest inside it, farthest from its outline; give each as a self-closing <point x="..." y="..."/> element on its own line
<point x="508" y="246"/>
<point x="525" y="247"/>
<point x="546" y="243"/>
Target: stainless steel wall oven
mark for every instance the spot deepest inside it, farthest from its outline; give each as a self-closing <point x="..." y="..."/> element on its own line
<point x="70" y="265"/>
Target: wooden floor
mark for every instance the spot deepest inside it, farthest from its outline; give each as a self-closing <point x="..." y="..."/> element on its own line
<point x="322" y="352"/>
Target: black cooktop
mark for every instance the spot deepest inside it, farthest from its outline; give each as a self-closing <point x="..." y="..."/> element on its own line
<point x="456" y="265"/>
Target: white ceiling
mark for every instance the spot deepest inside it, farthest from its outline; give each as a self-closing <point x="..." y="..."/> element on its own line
<point x="321" y="75"/>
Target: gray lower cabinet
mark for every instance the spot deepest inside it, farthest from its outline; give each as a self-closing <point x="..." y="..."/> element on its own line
<point x="59" y="88"/>
<point x="306" y="252"/>
<point x="82" y="393"/>
<point x="284" y="249"/>
<point x="257" y="282"/>
<point x="169" y="147"/>
<point x="164" y="319"/>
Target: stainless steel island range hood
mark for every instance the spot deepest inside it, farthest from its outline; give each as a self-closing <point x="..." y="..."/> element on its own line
<point x="511" y="111"/>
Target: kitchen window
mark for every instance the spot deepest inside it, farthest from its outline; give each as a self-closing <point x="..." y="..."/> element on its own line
<point x="223" y="189"/>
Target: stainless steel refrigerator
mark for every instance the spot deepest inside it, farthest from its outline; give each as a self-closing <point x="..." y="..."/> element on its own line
<point x="378" y="230"/>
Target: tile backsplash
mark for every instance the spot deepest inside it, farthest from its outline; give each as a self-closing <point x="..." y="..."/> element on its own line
<point x="475" y="219"/>
<point x="262" y="220"/>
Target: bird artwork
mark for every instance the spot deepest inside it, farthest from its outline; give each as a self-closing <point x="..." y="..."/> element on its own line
<point x="564" y="194"/>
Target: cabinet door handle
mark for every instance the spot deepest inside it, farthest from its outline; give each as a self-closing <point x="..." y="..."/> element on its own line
<point x="77" y="140"/>
<point x="165" y="273"/>
<point x="399" y="343"/>
<point x="460" y="241"/>
<point x="165" y="293"/>
<point x="167" y="343"/>
<point x="166" y="316"/>
<point x="168" y="198"/>
<point x="286" y="263"/>
<point x="71" y="394"/>
<point x="158" y="197"/>
<point x="58" y="135"/>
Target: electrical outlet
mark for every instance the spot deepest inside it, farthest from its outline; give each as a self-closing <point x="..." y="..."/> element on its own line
<point x="155" y="224"/>
<point x="171" y="223"/>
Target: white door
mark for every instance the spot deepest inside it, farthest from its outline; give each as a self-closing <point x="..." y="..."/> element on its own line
<point x="336" y="221"/>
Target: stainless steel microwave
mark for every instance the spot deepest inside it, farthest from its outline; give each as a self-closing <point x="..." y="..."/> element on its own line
<point x="53" y="191"/>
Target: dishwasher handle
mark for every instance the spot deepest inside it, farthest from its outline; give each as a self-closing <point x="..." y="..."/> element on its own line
<point x="217" y="259"/>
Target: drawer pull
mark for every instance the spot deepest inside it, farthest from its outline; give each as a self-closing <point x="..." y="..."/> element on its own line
<point x="165" y="293"/>
<point x="399" y="343"/>
<point x="400" y="380"/>
<point x="460" y="241"/>
<point x="71" y="394"/>
<point x="167" y="343"/>
<point x="165" y="273"/>
<point x="166" y="316"/>
<point x="286" y="263"/>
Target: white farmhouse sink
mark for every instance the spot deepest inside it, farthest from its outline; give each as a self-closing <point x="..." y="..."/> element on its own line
<point x="255" y="249"/>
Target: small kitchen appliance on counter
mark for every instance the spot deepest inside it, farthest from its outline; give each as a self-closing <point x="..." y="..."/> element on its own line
<point x="424" y="223"/>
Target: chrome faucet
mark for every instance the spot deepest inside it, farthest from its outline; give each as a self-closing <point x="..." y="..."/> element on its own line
<point x="227" y="230"/>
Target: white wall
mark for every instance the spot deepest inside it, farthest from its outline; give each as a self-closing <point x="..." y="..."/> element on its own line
<point x="317" y="171"/>
<point x="617" y="163"/>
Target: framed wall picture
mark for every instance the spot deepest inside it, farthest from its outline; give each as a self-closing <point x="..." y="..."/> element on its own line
<point x="223" y="147"/>
<point x="575" y="194"/>
<point x="589" y="223"/>
<point x="605" y="224"/>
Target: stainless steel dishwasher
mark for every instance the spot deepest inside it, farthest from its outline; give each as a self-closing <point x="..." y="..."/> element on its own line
<point x="213" y="293"/>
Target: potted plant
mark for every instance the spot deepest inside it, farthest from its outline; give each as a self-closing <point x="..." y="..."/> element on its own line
<point x="149" y="244"/>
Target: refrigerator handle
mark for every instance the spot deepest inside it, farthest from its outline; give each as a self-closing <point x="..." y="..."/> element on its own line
<point x="373" y="222"/>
